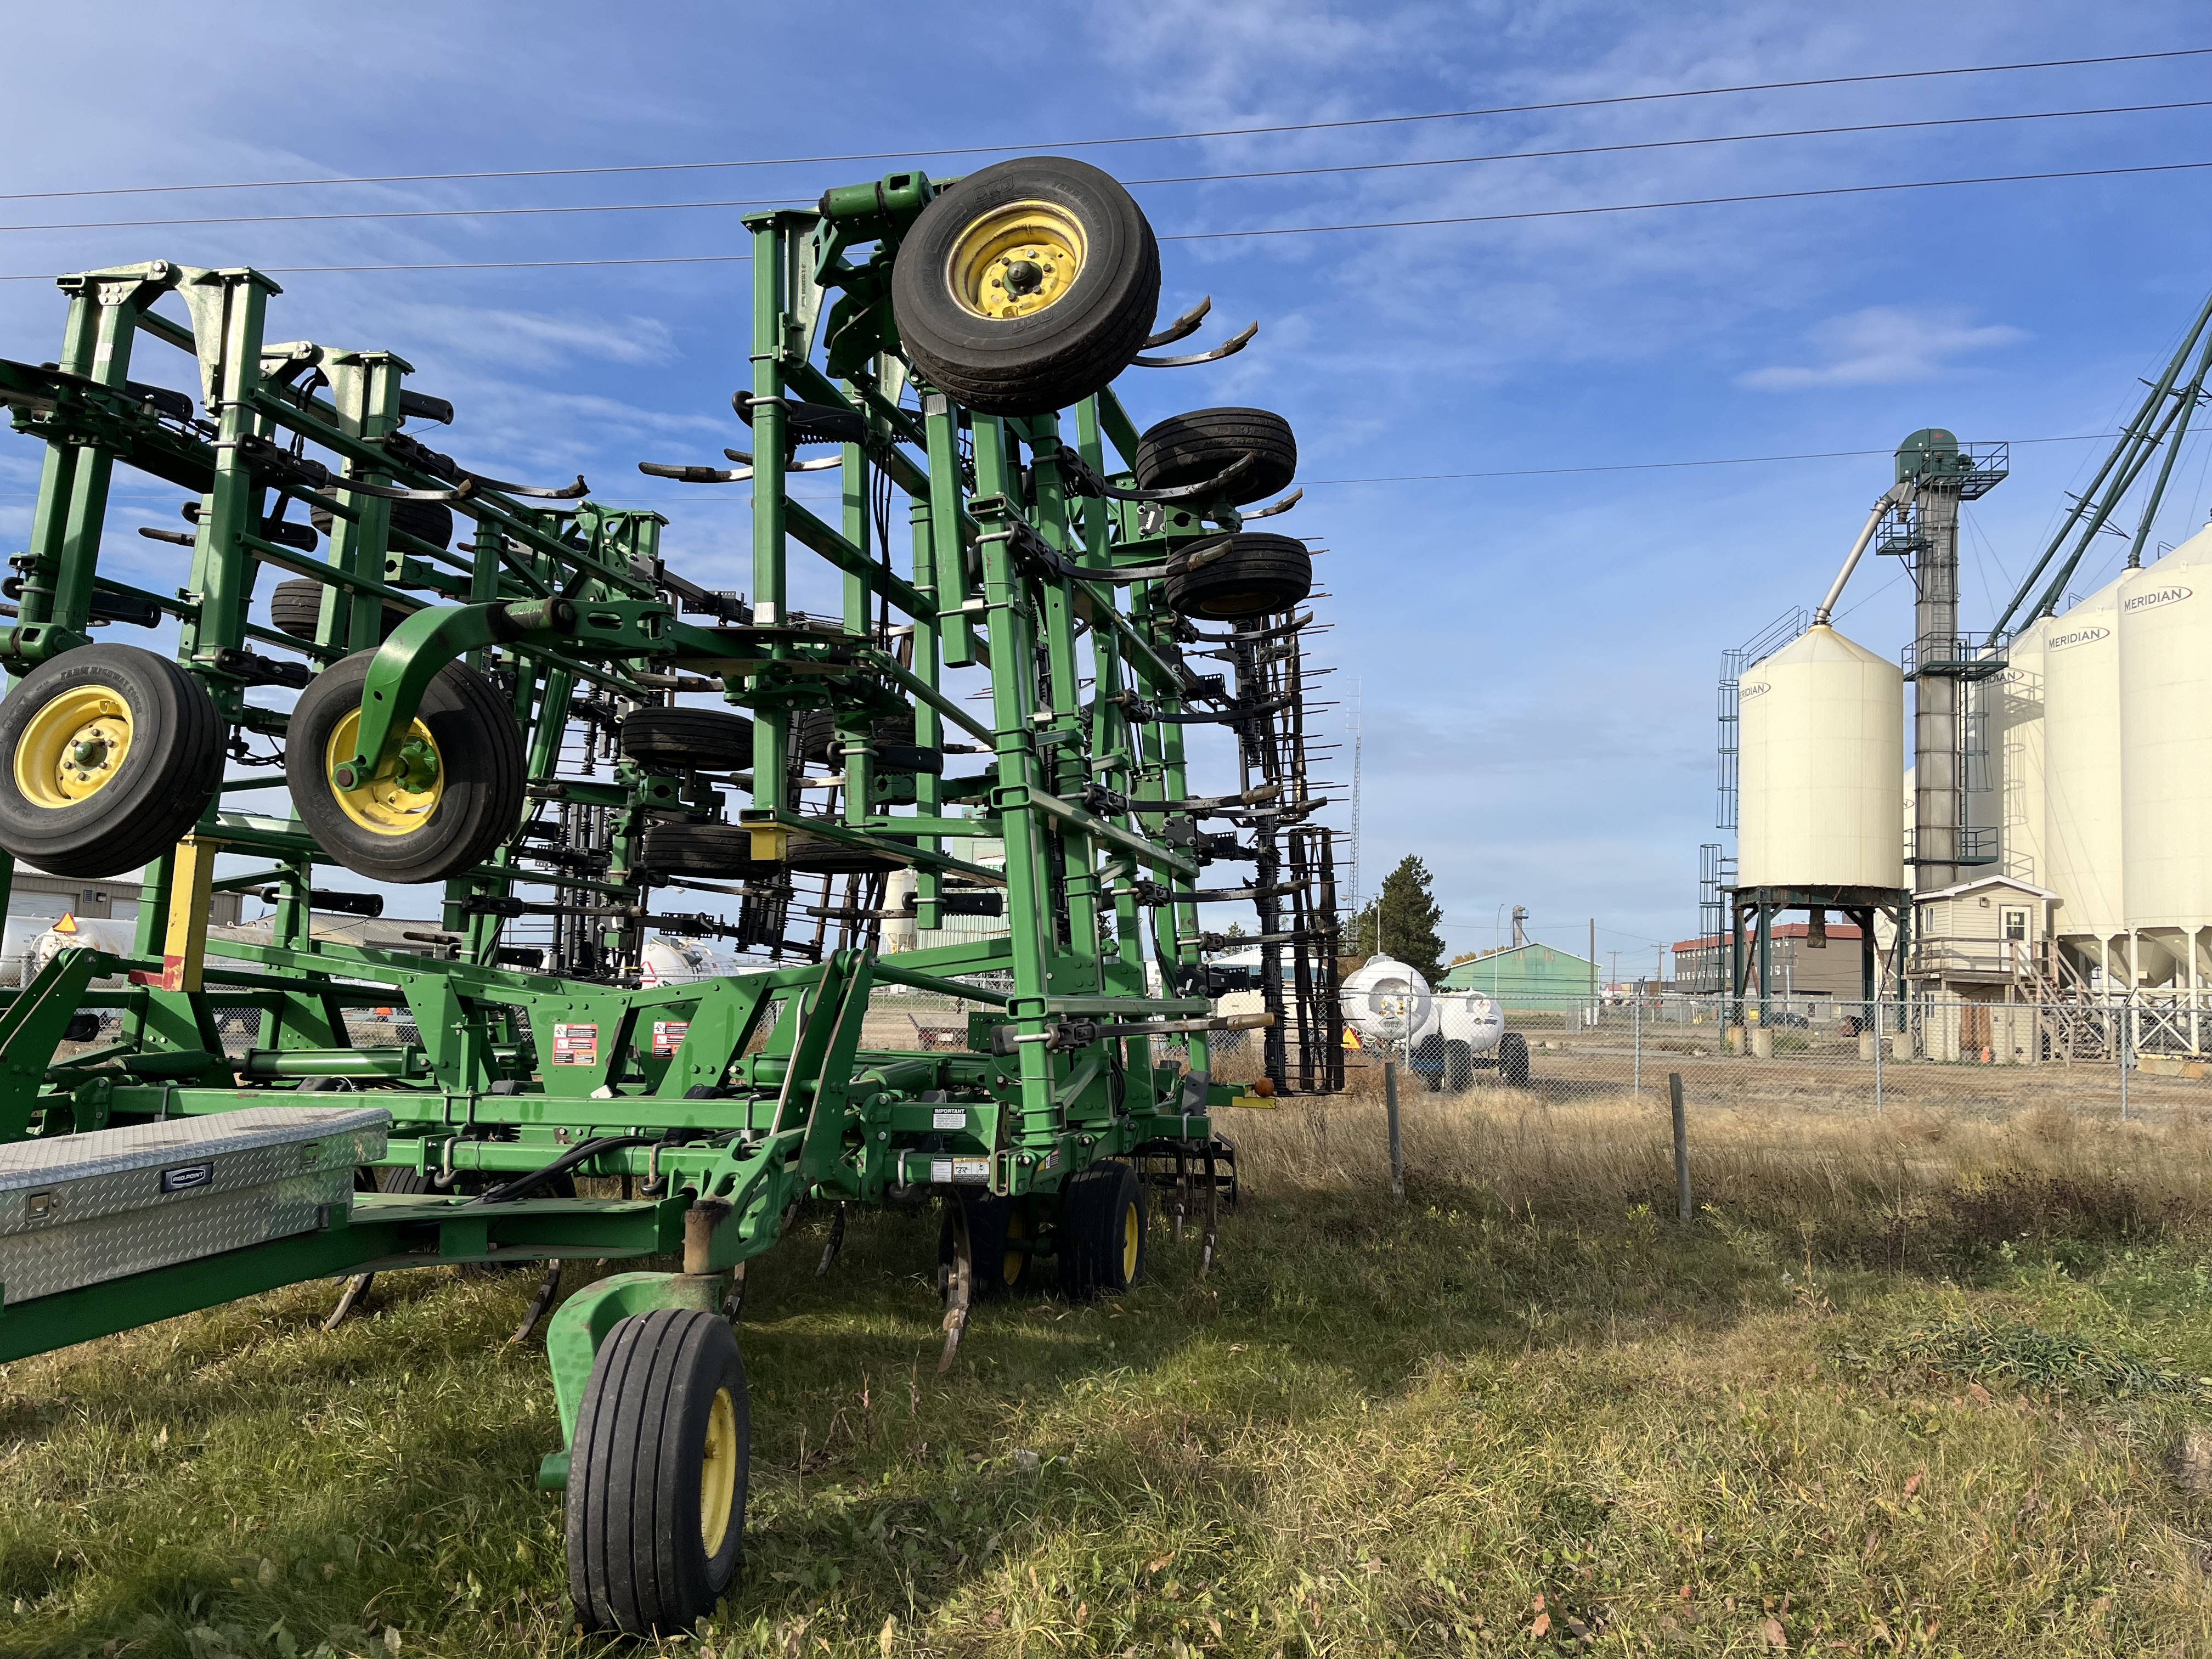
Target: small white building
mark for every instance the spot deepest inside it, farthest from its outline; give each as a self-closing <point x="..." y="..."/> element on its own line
<point x="1982" y="952"/>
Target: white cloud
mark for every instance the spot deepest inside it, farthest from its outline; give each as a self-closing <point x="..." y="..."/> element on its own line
<point x="1884" y="345"/>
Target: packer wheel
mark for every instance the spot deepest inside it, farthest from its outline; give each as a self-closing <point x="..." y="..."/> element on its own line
<point x="1102" y="1231"/>
<point x="432" y="521"/>
<point x="701" y="849"/>
<point x="1188" y="449"/>
<point x="1027" y="286"/>
<point x="108" y="755"/>
<point x="1250" y="574"/>
<point x="657" y="1474"/>
<point x="296" y="607"/>
<point x="454" y="792"/>
<point x="689" y="739"/>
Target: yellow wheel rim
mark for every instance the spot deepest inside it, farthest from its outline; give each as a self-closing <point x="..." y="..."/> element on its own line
<point x="718" y="1472"/>
<point x="405" y="793"/>
<point x="1131" y="1237"/>
<point x="74" y="746"/>
<point x="1016" y="1261"/>
<point x="1017" y="260"/>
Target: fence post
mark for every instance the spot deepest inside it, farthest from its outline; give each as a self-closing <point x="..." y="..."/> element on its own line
<point x="1880" y="1042"/>
<point x="2121" y="1034"/>
<point x="1397" y="1147"/>
<point x="1681" y="1147"/>
<point x="1636" y="1021"/>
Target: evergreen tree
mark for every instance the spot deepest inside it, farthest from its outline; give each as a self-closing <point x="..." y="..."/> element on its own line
<point x="1401" y="921"/>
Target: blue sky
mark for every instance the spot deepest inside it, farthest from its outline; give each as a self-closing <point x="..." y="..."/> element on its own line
<point x="1535" y="655"/>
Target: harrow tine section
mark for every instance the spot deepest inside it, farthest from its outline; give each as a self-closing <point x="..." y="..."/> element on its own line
<point x="1229" y="347"/>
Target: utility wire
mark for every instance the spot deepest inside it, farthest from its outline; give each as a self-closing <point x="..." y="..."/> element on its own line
<point x="1139" y="139"/>
<point x="1688" y="201"/>
<point x="1405" y="477"/>
<point x="1308" y="230"/>
<point x="1186" y="178"/>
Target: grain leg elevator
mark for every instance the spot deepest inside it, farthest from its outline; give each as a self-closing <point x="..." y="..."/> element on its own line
<point x="1819" y="740"/>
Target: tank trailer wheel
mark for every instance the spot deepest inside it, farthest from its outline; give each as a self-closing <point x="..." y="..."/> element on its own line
<point x="1253" y="572"/>
<point x="1102" y="1231"/>
<point x="108" y="756"/>
<point x="1188" y="449"/>
<point x="657" y="1474"/>
<point x="1027" y="286"/>
<point x="1513" y="1059"/>
<point x="1459" y="1065"/>
<point x="451" y="794"/>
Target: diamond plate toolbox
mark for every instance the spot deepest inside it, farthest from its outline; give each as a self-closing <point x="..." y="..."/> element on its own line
<point x="84" y="1209"/>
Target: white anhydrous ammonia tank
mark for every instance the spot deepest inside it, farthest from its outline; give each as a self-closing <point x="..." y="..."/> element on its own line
<point x="1386" y="1001"/>
<point x="2081" y="767"/>
<point x="2016" y="709"/>
<point x="2166" y="738"/>
<point x="1821" y="746"/>
<point x="1465" y="1017"/>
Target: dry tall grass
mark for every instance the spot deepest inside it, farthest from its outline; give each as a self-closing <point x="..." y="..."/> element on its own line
<point x="1878" y="1185"/>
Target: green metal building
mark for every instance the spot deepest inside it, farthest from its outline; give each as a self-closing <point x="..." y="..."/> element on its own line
<point x="1530" y="975"/>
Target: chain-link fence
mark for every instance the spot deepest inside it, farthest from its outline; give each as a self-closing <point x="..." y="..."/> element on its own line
<point x="1950" y="1055"/>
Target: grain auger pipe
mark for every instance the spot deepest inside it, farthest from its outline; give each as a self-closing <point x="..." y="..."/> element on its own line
<point x="1898" y="495"/>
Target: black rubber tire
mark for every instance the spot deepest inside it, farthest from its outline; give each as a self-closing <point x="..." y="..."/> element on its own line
<point x="1513" y="1059"/>
<point x="637" y="1560"/>
<point x="1459" y="1065"/>
<point x="821" y="855"/>
<point x="1188" y="449"/>
<point x="296" y="607"/>
<point x="1049" y="358"/>
<point x="1250" y="574"/>
<point x="1425" y="1059"/>
<point x="1094" y="1220"/>
<point x="481" y="751"/>
<point x="701" y="849"/>
<point x="993" y="1223"/>
<point x="168" y="774"/>
<point x="813" y="730"/>
<point x="689" y="739"/>
<point x="432" y="521"/>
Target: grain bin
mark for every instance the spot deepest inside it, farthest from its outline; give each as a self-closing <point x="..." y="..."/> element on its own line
<point x="2165" y="736"/>
<point x="2016" y="720"/>
<point x="2082" y="768"/>
<point x="1822" y="750"/>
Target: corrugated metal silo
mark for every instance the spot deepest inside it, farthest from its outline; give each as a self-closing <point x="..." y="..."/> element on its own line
<point x="1822" y="747"/>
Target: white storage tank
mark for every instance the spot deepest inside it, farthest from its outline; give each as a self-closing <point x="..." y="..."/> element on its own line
<point x="2081" y="760"/>
<point x="1386" y="1001"/>
<point x="2016" y="738"/>
<point x="1821" y="747"/>
<point x="2166" y="738"/>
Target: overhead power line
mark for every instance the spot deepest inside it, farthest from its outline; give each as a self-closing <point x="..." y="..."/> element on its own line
<point x="1136" y="138"/>
<point x="1410" y="477"/>
<point x="1684" y="201"/>
<point x="529" y="211"/>
<point x="1302" y="230"/>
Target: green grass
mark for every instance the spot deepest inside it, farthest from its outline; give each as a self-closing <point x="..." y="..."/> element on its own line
<point x="1910" y="1388"/>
